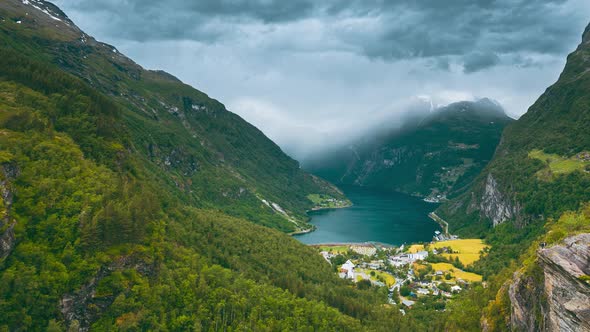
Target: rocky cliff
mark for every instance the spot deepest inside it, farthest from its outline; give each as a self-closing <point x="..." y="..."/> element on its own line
<point x="495" y="205"/>
<point x="555" y="296"/>
<point x="522" y="182"/>
<point x="7" y="240"/>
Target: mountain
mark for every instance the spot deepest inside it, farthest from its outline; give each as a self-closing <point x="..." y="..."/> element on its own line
<point x="131" y="201"/>
<point x="532" y="205"/>
<point x="541" y="168"/>
<point x="208" y="156"/>
<point x="434" y="154"/>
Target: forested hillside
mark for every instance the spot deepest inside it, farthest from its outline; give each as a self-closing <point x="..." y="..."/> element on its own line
<point x="541" y="168"/>
<point x="435" y="154"/>
<point x="129" y="201"/>
<point x="207" y="156"/>
<point x="531" y="205"/>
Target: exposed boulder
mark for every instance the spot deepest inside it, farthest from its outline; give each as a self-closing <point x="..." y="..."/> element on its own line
<point x="560" y="301"/>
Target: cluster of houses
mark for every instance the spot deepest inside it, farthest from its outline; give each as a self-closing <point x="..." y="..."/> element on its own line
<point x="348" y="271"/>
<point x="430" y="288"/>
<point x="398" y="258"/>
<point x="407" y="258"/>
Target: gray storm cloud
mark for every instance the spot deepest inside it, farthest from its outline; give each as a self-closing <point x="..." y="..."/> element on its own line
<point x="309" y="73"/>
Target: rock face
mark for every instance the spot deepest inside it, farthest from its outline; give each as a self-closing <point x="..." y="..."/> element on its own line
<point x="7" y="239"/>
<point x="85" y="306"/>
<point x="495" y="205"/>
<point x="561" y="301"/>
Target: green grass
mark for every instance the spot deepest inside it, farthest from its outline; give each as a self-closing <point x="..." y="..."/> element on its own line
<point x="335" y="249"/>
<point x="556" y="164"/>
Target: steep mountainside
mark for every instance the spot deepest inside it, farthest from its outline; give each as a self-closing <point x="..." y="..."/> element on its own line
<point x="208" y="156"/>
<point x="120" y="192"/>
<point x="434" y="155"/>
<point x="531" y="205"/>
<point x="541" y="168"/>
<point x="559" y="299"/>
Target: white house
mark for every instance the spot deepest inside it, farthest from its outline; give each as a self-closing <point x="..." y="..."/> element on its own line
<point x="348" y="268"/>
<point x="408" y="303"/>
<point x="455" y="288"/>
<point x="423" y="291"/>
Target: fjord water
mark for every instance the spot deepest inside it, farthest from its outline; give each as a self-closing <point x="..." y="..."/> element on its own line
<point x="376" y="216"/>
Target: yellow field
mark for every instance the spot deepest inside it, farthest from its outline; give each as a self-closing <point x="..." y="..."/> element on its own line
<point x="456" y="273"/>
<point x="468" y="249"/>
<point x="389" y="279"/>
<point x="414" y="248"/>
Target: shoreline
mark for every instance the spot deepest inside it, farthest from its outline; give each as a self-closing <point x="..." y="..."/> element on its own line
<point x="313" y="228"/>
<point x="320" y="208"/>
<point x="360" y="244"/>
<point x="303" y="231"/>
<point x="440" y="221"/>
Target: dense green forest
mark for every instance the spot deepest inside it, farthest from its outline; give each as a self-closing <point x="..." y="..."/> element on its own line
<point x="208" y="156"/>
<point x="116" y="219"/>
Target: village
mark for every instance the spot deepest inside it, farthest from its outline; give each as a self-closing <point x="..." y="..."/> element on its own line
<point x="429" y="273"/>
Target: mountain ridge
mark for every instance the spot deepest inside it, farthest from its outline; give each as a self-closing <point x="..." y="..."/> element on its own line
<point x="555" y="124"/>
<point x="131" y="202"/>
<point x="178" y="107"/>
<point x="457" y="139"/>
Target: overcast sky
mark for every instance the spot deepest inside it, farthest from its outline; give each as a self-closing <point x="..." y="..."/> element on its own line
<point x="310" y="72"/>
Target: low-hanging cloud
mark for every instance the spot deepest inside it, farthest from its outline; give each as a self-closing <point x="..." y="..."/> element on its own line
<point x="311" y="73"/>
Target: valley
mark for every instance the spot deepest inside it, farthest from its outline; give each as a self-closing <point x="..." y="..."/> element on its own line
<point x="131" y="201"/>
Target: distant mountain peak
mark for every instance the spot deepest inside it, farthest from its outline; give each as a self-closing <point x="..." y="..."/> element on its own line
<point x="586" y="35"/>
<point x="483" y="106"/>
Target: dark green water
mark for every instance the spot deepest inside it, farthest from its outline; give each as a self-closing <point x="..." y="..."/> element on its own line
<point x="376" y="216"/>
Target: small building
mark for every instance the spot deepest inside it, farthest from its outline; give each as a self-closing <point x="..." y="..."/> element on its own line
<point x="423" y="291"/>
<point x="420" y="255"/>
<point x="408" y="303"/>
<point x="446" y="294"/>
<point x="327" y="256"/>
<point x="348" y="269"/>
<point x="456" y="288"/>
<point x="378" y="283"/>
<point x="376" y="265"/>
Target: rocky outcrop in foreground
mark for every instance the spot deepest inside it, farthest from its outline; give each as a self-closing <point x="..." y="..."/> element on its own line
<point x="561" y="300"/>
